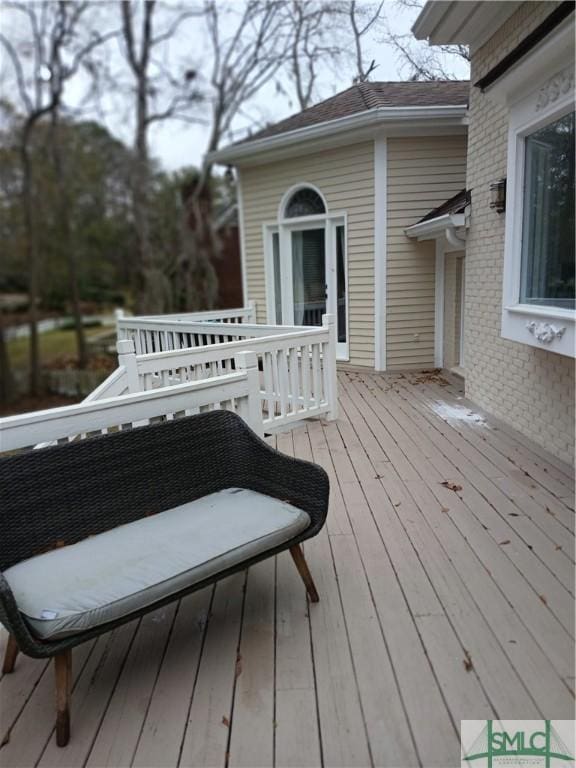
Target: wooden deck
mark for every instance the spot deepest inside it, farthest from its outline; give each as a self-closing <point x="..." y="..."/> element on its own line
<point x="446" y="581"/>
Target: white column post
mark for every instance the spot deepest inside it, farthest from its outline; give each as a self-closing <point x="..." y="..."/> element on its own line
<point x="127" y="360"/>
<point x="252" y="414"/>
<point x="439" y="305"/>
<point x="329" y="362"/>
<point x="252" y="313"/>
<point x="120" y="330"/>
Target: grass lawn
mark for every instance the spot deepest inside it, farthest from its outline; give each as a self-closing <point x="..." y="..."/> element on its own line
<point x="52" y="344"/>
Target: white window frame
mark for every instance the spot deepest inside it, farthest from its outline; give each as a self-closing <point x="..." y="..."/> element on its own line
<point x="549" y="97"/>
<point x="284" y="227"/>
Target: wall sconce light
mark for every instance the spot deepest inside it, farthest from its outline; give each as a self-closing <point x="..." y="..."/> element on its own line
<point x="498" y="195"/>
<point x="229" y="174"/>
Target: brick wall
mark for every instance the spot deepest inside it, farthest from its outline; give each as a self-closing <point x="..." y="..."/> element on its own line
<point x="529" y="388"/>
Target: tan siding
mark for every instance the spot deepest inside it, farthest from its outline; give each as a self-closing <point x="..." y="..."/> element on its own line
<point x="423" y="172"/>
<point x="345" y="177"/>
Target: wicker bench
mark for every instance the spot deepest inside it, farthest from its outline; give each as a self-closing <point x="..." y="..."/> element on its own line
<point x="169" y="507"/>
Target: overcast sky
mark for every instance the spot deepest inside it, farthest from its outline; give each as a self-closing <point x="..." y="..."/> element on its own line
<point x="176" y="144"/>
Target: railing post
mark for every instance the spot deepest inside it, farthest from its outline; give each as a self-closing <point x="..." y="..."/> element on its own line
<point x="329" y="322"/>
<point x="127" y="360"/>
<point x="252" y="313"/>
<point x="121" y="332"/>
<point x="248" y="361"/>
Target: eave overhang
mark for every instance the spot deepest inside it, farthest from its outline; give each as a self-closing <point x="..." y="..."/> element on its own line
<point x="463" y="22"/>
<point x="452" y="226"/>
<point x="346" y="130"/>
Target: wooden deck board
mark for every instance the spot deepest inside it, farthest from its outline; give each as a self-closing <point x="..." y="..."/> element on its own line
<point x="435" y="606"/>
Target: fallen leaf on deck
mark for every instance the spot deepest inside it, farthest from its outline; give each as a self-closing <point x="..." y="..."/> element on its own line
<point x="452" y="486"/>
<point x="512" y="641"/>
<point x="543" y="599"/>
<point x="444" y="509"/>
<point x="513" y="514"/>
<point x="398" y="504"/>
<point x="506" y="541"/>
<point x="468" y="666"/>
<point x="239" y="665"/>
<point x="225" y="721"/>
<point x="558" y="546"/>
<point x="550" y="512"/>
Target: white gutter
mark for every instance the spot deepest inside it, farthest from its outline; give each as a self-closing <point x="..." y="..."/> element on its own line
<point x="378" y="116"/>
<point x="429" y="18"/>
<point x="468" y="22"/>
<point x="442" y="225"/>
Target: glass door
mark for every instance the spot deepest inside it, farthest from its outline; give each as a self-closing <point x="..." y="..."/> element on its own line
<point x="339" y="307"/>
<point x="309" y="276"/>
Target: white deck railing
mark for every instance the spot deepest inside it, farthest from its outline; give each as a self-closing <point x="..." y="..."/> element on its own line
<point x="273" y="376"/>
<point x="297" y="366"/>
<point x="163" y="334"/>
<point x="236" y="391"/>
<point x="237" y="315"/>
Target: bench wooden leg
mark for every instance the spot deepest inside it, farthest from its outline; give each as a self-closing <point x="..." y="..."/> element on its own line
<point x="63" y="669"/>
<point x="300" y="562"/>
<point x="10" y="656"/>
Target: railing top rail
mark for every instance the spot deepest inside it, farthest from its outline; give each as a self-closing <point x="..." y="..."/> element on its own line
<point x="23" y="430"/>
<point x="149" y="361"/>
<point x="216" y="313"/>
<point x="111" y="384"/>
<point x="198" y="326"/>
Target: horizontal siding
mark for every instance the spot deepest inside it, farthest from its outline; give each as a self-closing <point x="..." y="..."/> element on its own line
<point x="345" y="177"/>
<point x="423" y="172"/>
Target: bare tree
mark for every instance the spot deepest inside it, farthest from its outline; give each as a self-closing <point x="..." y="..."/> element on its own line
<point x="249" y="44"/>
<point x="362" y="20"/>
<point x="158" y="96"/>
<point x="75" y="50"/>
<point x="315" y="42"/>
<point x="44" y="32"/>
<point x="424" y="62"/>
<point x="244" y="59"/>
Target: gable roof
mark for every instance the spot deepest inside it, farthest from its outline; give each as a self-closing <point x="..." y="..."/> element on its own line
<point x="365" y="96"/>
<point x="356" y="114"/>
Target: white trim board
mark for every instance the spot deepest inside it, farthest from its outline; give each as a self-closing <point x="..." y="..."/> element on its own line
<point x="242" y="239"/>
<point x="533" y="102"/>
<point x="361" y="126"/>
<point x="439" y="305"/>
<point x="380" y="224"/>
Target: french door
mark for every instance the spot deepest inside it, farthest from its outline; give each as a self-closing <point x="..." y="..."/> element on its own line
<point x="308" y="275"/>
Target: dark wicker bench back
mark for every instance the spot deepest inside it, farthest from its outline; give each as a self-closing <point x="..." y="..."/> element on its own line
<point x="57" y="496"/>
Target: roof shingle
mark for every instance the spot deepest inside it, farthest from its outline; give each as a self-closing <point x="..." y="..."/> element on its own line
<point x="456" y="204"/>
<point x="366" y="96"/>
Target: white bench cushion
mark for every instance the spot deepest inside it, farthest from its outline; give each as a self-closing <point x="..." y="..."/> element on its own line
<point x="104" y="577"/>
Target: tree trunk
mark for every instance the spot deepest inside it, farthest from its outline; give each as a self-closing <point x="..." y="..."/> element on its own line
<point x="6" y="377"/>
<point x="140" y="201"/>
<point x="31" y="258"/>
<point x="64" y="234"/>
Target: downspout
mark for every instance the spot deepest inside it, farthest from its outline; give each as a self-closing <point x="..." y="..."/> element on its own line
<point x="454" y="240"/>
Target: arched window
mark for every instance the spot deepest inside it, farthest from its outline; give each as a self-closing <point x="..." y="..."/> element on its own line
<point x="304" y="202"/>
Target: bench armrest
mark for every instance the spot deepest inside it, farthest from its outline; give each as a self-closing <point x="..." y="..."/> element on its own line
<point x="261" y="468"/>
